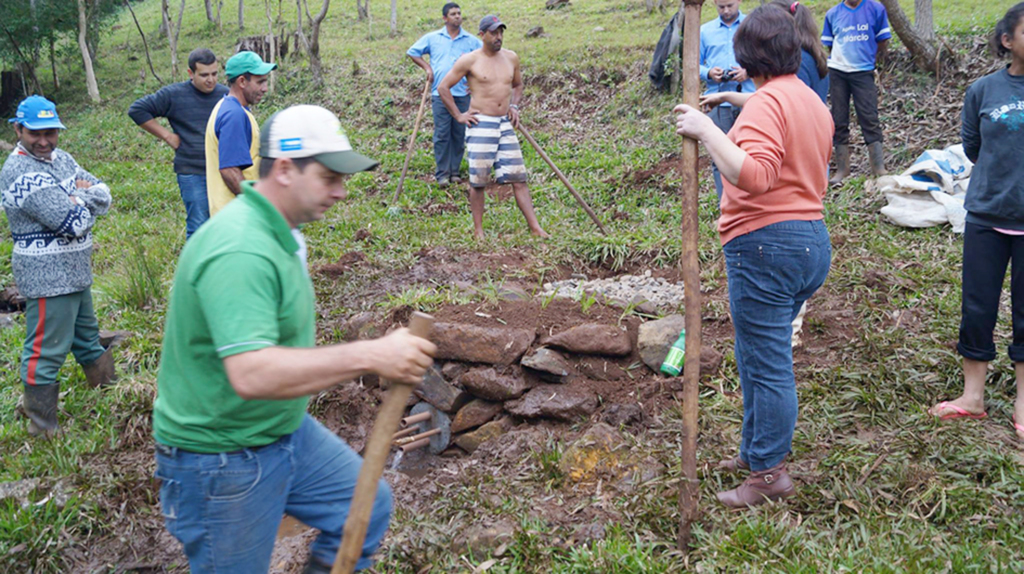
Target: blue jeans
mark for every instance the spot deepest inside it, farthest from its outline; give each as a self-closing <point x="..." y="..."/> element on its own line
<point x="225" y="508"/>
<point x="449" y="138"/>
<point x="193" y="195"/>
<point x="772" y="271"/>
<point x="723" y="117"/>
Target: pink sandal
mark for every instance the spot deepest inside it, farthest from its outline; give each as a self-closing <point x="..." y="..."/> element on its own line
<point x="959" y="413"/>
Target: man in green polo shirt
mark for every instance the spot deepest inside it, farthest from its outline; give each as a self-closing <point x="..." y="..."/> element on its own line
<point x="236" y="449"/>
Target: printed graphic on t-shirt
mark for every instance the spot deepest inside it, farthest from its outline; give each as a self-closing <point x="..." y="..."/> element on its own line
<point x="1010" y="114"/>
<point x="854" y="34"/>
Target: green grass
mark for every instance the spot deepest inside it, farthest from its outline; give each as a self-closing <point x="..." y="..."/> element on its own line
<point x="945" y="497"/>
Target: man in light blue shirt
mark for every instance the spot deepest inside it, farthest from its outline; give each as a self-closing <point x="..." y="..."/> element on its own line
<point x="444" y="47"/>
<point x="718" y="67"/>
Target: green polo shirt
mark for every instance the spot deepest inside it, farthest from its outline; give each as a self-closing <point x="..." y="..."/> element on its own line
<point x="241" y="285"/>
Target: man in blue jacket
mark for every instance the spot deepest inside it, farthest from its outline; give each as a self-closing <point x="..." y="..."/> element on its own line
<point x="445" y="46"/>
<point x="187" y="106"/>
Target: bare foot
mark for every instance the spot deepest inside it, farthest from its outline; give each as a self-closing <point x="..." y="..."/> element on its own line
<point x="540" y="233"/>
<point x="945" y="408"/>
<point x="478" y="235"/>
<point x="1018" y="419"/>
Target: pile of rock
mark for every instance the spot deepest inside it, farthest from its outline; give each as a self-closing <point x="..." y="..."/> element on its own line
<point x="484" y="376"/>
<point x="640" y="290"/>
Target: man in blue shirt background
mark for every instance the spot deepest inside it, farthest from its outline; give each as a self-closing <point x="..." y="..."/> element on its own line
<point x="718" y="67"/>
<point x="858" y="32"/>
<point x="444" y="47"/>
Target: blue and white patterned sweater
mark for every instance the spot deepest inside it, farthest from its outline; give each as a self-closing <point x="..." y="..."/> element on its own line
<point x="52" y="234"/>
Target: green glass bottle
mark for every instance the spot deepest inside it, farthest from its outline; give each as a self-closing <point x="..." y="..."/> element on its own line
<point x="673" y="364"/>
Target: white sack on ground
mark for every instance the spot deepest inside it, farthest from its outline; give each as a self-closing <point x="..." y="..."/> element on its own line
<point x="930" y="192"/>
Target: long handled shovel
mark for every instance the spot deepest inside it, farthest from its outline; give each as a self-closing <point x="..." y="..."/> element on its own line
<point x="689" y="487"/>
<point x="412" y="141"/>
<point x="561" y="176"/>
<point x="376" y="455"/>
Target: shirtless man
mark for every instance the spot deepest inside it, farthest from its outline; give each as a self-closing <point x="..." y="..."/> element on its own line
<point x="496" y="87"/>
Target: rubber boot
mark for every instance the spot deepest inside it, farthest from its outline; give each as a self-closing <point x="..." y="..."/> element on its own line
<point x="877" y="156"/>
<point x="40" y="406"/>
<point x="100" y="372"/>
<point x="760" y="487"/>
<point x="734" y="464"/>
<point x="842" y="164"/>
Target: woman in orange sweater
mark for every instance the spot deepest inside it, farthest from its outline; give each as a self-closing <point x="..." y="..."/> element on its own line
<point x="777" y="250"/>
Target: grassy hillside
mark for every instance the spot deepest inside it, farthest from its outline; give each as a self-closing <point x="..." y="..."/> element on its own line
<point x="883" y="487"/>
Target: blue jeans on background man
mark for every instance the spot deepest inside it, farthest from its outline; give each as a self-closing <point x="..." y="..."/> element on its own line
<point x="225" y="508"/>
<point x="723" y="117"/>
<point x="771" y="272"/>
<point x="449" y="138"/>
<point x="193" y="195"/>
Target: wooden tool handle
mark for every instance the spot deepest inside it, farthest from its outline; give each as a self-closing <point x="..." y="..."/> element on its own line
<point x="376" y="455"/>
<point x="412" y="143"/>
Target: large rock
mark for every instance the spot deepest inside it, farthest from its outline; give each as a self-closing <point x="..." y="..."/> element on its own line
<point x="440" y="393"/>
<point x="489" y="384"/>
<point x="548" y="364"/>
<point x="592" y="339"/>
<point x="472" y="344"/>
<point x="563" y="402"/>
<point x="474" y="414"/>
<point x="655" y="338"/>
<point x="622" y="414"/>
<point x="600" y="451"/>
<point x="472" y="440"/>
<point x="453" y="370"/>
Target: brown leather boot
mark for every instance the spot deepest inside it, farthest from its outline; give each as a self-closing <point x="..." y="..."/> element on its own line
<point x="734" y="464"/>
<point x="760" y="487"/>
<point x="100" y="372"/>
<point x="842" y="164"/>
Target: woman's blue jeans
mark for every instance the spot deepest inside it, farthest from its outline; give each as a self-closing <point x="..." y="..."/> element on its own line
<point x="772" y="271"/>
<point x="225" y="508"/>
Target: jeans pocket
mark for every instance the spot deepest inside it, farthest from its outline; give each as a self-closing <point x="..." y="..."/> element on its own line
<point x="235" y="480"/>
<point x="170" y="497"/>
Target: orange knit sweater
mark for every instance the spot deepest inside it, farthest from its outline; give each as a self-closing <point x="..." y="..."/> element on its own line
<point x="787" y="134"/>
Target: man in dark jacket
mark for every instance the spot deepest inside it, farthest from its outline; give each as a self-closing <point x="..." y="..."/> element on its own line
<point x="187" y="106"/>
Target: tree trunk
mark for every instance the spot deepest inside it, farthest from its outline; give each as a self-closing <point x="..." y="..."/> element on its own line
<point x="145" y="44"/>
<point x="165" y="15"/>
<point x="53" y="65"/>
<point x="924" y="23"/>
<point x="314" y="45"/>
<point x="394" y="17"/>
<point x="90" y="74"/>
<point x="28" y="67"/>
<point x="361" y="9"/>
<point x="220" y="4"/>
<point x="272" y="42"/>
<point x="209" y="10"/>
<point x="926" y="53"/>
<point x="241" y="15"/>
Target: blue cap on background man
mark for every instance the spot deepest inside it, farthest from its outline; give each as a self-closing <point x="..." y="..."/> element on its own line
<point x="247" y="63"/>
<point x="37" y="113"/>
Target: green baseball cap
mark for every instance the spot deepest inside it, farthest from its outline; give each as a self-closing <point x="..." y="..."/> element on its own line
<point x="247" y="63"/>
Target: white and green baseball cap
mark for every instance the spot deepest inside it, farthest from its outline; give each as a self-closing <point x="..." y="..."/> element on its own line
<point x="314" y="132"/>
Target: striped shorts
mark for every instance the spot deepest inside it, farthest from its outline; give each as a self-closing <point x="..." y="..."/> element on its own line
<point x="493" y="142"/>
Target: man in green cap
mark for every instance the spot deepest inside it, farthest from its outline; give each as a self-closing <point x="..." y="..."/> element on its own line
<point x="232" y="133"/>
<point x="235" y="448"/>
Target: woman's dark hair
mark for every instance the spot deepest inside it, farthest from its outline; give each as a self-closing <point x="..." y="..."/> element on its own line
<point x="766" y="43"/>
<point x="808" y="32"/>
<point x="1006" y="26"/>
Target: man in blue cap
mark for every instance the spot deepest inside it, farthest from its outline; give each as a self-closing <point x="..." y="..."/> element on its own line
<point x="232" y="133"/>
<point x="51" y="206"/>
<point x="444" y="47"/>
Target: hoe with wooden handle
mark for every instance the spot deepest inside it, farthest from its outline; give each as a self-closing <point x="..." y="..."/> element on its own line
<point x="412" y="145"/>
<point x="376" y="454"/>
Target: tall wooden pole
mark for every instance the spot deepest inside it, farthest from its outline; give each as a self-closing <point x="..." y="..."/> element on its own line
<point x="689" y="488"/>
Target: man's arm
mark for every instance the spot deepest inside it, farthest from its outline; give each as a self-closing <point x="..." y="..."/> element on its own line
<point x="145" y="110"/>
<point x="276" y="373"/>
<point x="41" y="197"/>
<point x="426" y="67"/>
<point x="517" y="91"/>
<point x="444" y="89"/>
<point x="93" y="192"/>
<point x="233" y="178"/>
<point x="883" y="50"/>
